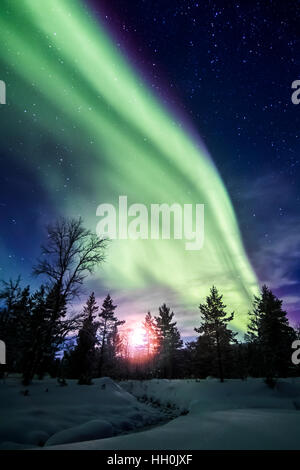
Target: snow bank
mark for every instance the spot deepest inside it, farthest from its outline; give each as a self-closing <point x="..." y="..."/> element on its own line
<point x="95" y="429"/>
<point x="211" y="395"/>
<point x="50" y="414"/>
<point x="233" y="415"/>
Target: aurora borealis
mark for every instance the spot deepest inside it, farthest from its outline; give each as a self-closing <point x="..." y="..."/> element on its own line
<point x="88" y="128"/>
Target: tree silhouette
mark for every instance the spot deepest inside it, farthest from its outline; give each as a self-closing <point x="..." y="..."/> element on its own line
<point x="214" y="327"/>
<point x="107" y="324"/>
<point x="270" y="334"/>
<point x="85" y="350"/>
<point x="151" y="335"/>
<point x="169" y="341"/>
<point x="71" y="253"/>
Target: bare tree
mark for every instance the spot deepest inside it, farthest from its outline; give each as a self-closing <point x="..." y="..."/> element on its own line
<point x="71" y="253"/>
<point x="10" y="293"/>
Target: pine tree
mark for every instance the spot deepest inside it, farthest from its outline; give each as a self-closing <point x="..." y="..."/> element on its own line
<point x="169" y="340"/>
<point x="51" y="313"/>
<point x="151" y="335"/>
<point x="150" y="348"/>
<point x="21" y="314"/>
<point x="269" y="331"/>
<point x="215" y="327"/>
<point x="34" y="336"/>
<point x="10" y="295"/>
<point x="200" y="357"/>
<point x="107" y="323"/>
<point x="85" y="350"/>
<point x="254" y="358"/>
<point x="114" y="351"/>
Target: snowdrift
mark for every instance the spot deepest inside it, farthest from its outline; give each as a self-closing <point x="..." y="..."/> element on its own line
<point x="233" y="415"/>
<point x="51" y="414"/>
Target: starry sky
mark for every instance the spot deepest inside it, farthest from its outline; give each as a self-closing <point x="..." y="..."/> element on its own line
<point x="217" y="80"/>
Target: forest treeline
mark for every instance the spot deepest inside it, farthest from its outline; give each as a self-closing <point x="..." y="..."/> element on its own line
<point x="42" y="337"/>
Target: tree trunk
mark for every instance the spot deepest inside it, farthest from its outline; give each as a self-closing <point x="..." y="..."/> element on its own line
<point x="220" y="364"/>
<point x="102" y="352"/>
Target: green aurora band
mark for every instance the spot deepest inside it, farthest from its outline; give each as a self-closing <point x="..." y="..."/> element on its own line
<point x="66" y="80"/>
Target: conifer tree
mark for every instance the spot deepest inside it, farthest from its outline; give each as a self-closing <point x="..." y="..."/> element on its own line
<point x="151" y="335"/>
<point x="85" y="350"/>
<point x="169" y="340"/>
<point x="114" y="351"/>
<point x="270" y="333"/>
<point x="107" y="323"/>
<point x="20" y="327"/>
<point x="215" y="327"/>
<point x="34" y="336"/>
<point x="10" y="295"/>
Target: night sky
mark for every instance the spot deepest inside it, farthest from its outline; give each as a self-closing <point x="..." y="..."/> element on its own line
<point x="225" y="72"/>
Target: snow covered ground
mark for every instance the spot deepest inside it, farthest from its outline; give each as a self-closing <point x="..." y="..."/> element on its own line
<point x="51" y="414"/>
<point x="233" y="415"/>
